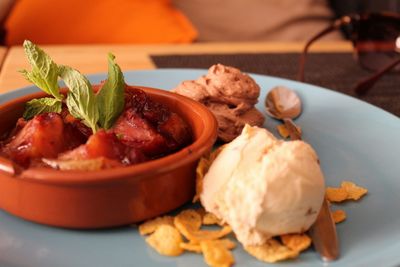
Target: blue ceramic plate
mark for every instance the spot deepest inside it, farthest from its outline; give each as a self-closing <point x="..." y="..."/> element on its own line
<point x="355" y="141"/>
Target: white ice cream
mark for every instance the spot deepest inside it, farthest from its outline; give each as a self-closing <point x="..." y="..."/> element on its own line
<point x="262" y="186"/>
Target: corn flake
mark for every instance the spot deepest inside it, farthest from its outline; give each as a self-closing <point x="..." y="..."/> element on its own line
<point x="196" y="235"/>
<point x="150" y="226"/>
<point x="192" y="247"/>
<point x="282" y="130"/>
<point x="210" y="219"/>
<point x="338" y="216"/>
<point x="201" y="170"/>
<point x="190" y="218"/>
<point x="201" y="211"/>
<point x="216" y="254"/>
<point x="229" y="244"/>
<point x="354" y="192"/>
<point x="346" y="191"/>
<point x="271" y="251"/>
<point x="195" y="247"/>
<point x="201" y="235"/>
<point x="334" y="194"/>
<point x="296" y="242"/>
<point x="166" y="240"/>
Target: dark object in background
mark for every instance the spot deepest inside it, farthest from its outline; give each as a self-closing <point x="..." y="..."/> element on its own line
<point x="344" y="7"/>
<point x="375" y="40"/>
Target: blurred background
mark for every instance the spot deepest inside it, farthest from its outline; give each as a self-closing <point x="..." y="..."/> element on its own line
<point x="174" y="21"/>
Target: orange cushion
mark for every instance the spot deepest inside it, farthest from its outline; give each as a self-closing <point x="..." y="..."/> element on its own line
<point x="97" y="21"/>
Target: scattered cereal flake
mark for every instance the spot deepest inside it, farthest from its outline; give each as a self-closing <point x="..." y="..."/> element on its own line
<point x="228" y="243"/>
<point x="150" y="226"/>
<point x="282" y="130"/>
<point x="190" y="218"/>
<point x="201" y="211"/>
<point x="200" y="235"/>
<point x="210" y="218"/>
<point x="195" y="235"/>
<point x="334" y="194"/>
<point x="195" y="247"/>
<point x="216" y="254"/>
<point x="192" y="247"/>
<point x="347" y="191"/>
<point x="166" y="240"/>
<point x="184" y="229"/>
<point x="296" y="242"/>
<point x="338" y="216"/>
<point x="271" y="251"/>
<point x="201" y="170"/>
<point x="354" y="191"/>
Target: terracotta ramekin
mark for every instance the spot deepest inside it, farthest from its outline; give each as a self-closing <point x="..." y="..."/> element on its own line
<point x="113" y="197"/>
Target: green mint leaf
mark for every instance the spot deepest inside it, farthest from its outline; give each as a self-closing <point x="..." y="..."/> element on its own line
<point x="44" y="71"/>
<point x="110" y="98"/>
<point x="81" y="100"/>
<point x="41" y="105"/>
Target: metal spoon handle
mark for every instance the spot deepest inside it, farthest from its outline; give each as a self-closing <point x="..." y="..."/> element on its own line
<point x="323" y="234"/>
<point x="323" y="231"/>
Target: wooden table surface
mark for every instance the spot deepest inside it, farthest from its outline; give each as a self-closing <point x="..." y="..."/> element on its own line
<point x="93" y="58"/>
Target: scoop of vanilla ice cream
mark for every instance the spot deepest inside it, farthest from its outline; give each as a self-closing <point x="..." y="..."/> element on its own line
<point x="263" y="187"/>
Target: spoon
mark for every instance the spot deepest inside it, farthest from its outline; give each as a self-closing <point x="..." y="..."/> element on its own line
<point x="284" y="104"/>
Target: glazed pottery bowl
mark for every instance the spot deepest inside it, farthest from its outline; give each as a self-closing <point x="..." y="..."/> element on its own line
<point x="111" y="197"/>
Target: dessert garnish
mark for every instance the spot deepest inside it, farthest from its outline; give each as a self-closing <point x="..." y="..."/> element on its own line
<point x="94" y="110"/>
<point x="89" y="127"/>
<point x="263" y="187"/>
<point x="230" y="94"/>
<point x="216" y="248"/>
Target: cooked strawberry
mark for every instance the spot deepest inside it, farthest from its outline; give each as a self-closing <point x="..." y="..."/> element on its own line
<point x="76" y="124"/>
<point x="43" y="136"/>
<point x="168" y="124"/>
<point x="135" y="98"/>
<point x="176" y="131"/>
<point x="150" y="126"/>
<point x="144" y="130"/>
<point x="136" y="132"/>
<point x="107" y="145"/>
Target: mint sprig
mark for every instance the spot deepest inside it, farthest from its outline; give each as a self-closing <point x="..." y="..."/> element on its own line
<point x="110" y="99"/>
<point x="95" y="111"/>
<point x="41" y="105"/>
<point x="81" y="101"/>
<point x="44" y="73"/>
